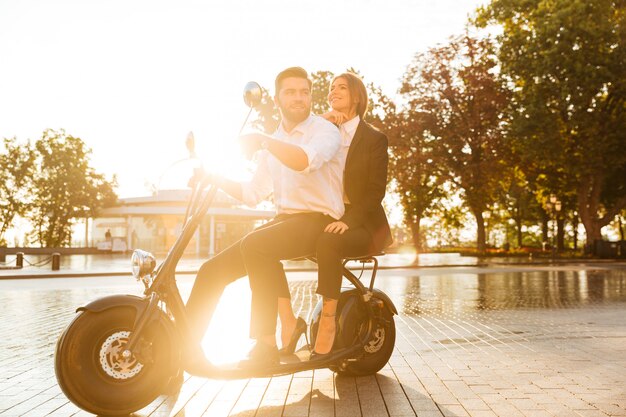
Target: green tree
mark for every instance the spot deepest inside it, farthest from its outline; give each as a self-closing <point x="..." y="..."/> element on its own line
<point x="66" y="187"/>
<point x="321" y="85"/>
<point x="566" y="60"/>
<point x="458" y="99"/>
<point x="16" y="177"/>
<point x="268" y="115"/>
<point x="416" y="173"/>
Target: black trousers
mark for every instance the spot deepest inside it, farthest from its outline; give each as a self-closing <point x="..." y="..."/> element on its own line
<point x="258" y="255"/>
<point x="330" y="250"/>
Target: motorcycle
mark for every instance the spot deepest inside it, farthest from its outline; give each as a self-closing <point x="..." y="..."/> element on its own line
<point x="121" y="352"/>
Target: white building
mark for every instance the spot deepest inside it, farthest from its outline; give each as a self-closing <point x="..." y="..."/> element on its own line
<point x="153" y="223"/>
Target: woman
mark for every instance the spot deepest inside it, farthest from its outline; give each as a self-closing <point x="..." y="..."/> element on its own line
<point x="364" y="228"/>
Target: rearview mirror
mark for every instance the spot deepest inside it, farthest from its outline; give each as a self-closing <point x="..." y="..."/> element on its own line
<point x="252" y="94"/>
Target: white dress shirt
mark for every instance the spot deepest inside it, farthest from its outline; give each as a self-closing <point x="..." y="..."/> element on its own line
<point x="347" y="130"/>
<point x="318" y="188"/>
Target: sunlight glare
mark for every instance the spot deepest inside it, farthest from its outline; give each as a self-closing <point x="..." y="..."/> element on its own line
<point x="226" y="340"/>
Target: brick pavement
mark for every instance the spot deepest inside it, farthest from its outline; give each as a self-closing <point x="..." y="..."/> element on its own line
<point x="548" y="342"/>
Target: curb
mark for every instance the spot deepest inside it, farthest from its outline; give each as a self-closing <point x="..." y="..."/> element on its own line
<point x="69" y="274"/>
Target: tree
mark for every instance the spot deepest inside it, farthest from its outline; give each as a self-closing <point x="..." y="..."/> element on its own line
<point x="66" y="187"/>
<point x="566" y="60"/>
<point x="268" y="115"/>
<point x="457" y="98"/>
<point x="16" y="176"/>
<point x="417" y="175"/>
<point x="321" y="85"/>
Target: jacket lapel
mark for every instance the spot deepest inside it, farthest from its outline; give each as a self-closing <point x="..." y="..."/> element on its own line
<point x="358" y="135"/>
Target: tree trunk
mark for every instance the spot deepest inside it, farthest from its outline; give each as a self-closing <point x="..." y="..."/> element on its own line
<point x="575" y="226"/>
<point x="544" y="228"/>
<point x="414" y="224"/>
<point x="480" y="231"/>
<point x="589" y="191"/>
<point x="560" y="235"/>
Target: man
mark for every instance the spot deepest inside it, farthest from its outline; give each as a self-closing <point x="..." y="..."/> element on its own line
<point x="301" y="165"/>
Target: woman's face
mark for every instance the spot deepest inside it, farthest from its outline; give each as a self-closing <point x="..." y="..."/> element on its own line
<point x="339" y="96"/>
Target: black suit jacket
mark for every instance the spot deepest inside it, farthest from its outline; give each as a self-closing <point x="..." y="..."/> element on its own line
<point x="365" y="181"/>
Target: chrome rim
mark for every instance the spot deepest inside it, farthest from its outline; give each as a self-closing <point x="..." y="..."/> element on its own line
<point x="112" y="360"/>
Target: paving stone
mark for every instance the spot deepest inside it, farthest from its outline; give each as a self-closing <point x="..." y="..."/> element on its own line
<point x="525" y="344"/>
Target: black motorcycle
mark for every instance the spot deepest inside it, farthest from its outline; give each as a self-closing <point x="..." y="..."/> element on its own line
<point x="121" y="352"/>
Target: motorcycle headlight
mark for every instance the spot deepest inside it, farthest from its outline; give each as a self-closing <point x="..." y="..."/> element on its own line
<point x="143" y="263"/>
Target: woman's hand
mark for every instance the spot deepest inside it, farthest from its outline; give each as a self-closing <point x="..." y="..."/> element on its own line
<point x="335" y="117"/>
<point x="336" y="227"/>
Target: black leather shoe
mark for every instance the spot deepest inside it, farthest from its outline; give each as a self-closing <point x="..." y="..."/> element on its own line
<point x="261" y="356"/>
<point x="295" y="336"/>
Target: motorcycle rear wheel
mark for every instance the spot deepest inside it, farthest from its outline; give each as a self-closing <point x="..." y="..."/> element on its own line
<point x="93" y="372"/>
<point x="352" y="324"/>
<point x="378" y="348"/>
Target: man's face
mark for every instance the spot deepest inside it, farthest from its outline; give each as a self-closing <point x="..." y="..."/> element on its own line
<point x="294" y="99"/>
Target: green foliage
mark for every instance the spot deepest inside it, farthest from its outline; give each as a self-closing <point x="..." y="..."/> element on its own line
<point x="66" y="187"/>
<point x="268" y="115"/>
<point x="16" y="176"/>
<point x="321" y="86"/>
<point x="455" y="118"/>
<point x="566" y="60"/>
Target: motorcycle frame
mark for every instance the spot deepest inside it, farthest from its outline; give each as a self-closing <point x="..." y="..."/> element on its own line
<point x="163" y="288"/>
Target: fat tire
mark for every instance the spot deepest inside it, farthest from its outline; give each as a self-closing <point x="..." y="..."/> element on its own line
<point x="371" y="363"/>
<point x="82" y="378"/>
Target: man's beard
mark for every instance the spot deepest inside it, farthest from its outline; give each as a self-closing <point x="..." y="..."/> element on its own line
<point x="295" y="116"/>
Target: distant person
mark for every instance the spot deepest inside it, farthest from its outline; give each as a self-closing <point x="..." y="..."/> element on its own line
<point x="107" y="235"/>
<point x="299" y="164"/>
<point x="363" y="229"/>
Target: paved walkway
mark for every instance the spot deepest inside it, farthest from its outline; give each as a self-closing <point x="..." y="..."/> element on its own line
<point x="490" y="341"/>
<point x="39" y="266"/>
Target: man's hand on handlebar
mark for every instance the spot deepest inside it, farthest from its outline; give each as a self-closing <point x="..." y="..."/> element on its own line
<point x="336" y="227"/>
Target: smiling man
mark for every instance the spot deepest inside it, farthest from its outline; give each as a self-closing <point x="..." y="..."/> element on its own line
<point x="300" y="165"/>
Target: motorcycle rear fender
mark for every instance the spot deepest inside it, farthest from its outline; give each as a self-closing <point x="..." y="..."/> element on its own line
<point x="386" y="300"/>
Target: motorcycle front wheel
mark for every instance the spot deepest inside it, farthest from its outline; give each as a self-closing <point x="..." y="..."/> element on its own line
<point x="93" y="371"/>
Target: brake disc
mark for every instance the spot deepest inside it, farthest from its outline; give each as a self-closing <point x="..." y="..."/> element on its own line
<point x="376" y="342"/>
<point x="112" y="360"/>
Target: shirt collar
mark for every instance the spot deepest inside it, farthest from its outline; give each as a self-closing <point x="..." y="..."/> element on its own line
<point x="351" y="125"/>
<point x="300" y="127"/>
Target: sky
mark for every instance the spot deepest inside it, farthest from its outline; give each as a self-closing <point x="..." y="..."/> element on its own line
<point x="132" y="77"/>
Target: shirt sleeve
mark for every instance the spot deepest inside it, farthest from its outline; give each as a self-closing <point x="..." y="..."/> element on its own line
<point x="322" y="146"/>
<point x="260" y="186"/>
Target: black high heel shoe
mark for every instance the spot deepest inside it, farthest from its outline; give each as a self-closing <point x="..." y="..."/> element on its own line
<point x="295" y="336"/>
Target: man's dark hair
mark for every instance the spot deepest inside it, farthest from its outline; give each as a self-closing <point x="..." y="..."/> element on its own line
<point x="296" y="72"/>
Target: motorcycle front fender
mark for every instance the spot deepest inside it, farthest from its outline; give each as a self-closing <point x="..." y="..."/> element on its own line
<point x="118" y="300"/>
<point x="139" y="304"/>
